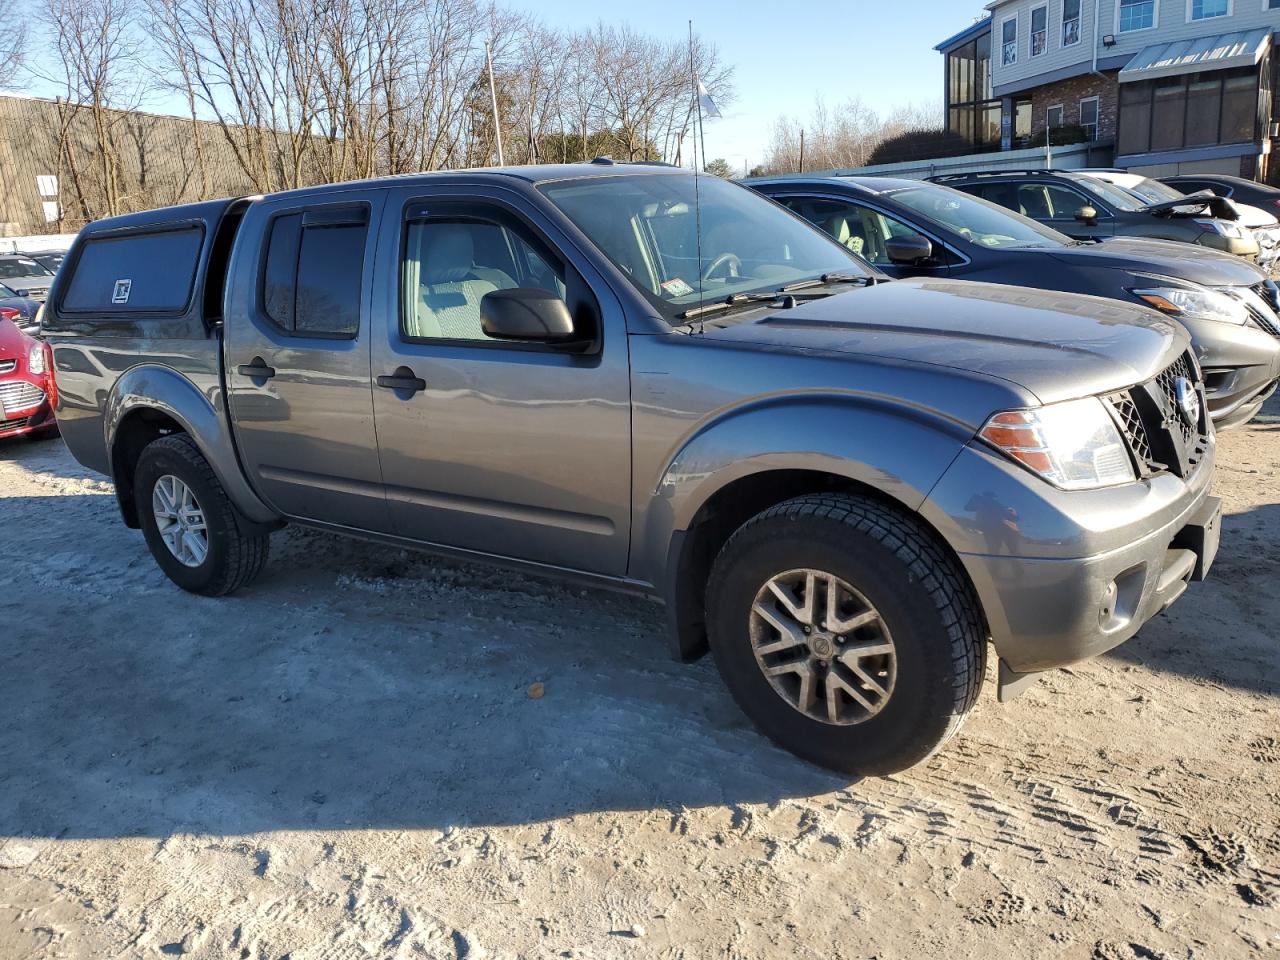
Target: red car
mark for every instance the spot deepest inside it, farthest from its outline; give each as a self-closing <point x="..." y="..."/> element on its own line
<point x="27" y="391"/>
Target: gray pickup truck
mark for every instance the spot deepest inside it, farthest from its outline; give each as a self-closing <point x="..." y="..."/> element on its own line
<point x="845" y="487"/>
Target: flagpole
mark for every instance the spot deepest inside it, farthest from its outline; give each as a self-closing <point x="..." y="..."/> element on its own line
<point x="493" y="98"/>
<point x="697" y="100"/>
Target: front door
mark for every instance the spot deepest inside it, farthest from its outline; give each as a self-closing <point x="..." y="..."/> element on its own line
<point x="520" y="451"/>
<point x="297" y="350"/>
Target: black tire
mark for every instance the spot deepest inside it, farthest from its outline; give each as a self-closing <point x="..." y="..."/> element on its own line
<point x="234" y="558"/>
<point x="924" y="601"/>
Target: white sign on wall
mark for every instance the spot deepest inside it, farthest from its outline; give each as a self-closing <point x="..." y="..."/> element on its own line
<point x="48" y="186"/>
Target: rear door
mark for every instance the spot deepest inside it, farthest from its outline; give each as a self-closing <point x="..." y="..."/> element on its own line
<point x="517" y="450"/>
<point x="297" y="338"/>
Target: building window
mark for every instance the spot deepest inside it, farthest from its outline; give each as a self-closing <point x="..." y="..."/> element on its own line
<point x="1009" y="42"/>
<point x="1022" y="112"/>
<point x="1208" y="9"/>
<point x="971" y="110"/>
<point x="1136" y="15"/>
<point x="1071" y="22"/>
<point x="1089" y="116"/>
<point x="1203" y="109"/>
<point x="1039" y="30"/>
<point x="1053" y="116"/>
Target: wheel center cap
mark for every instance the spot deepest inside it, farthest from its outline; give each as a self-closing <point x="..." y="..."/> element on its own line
<point x="822" y="647"/>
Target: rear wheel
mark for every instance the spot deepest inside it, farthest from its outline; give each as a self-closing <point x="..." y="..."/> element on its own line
<point x="194" y="531"/>
<point x="846" y="633"/>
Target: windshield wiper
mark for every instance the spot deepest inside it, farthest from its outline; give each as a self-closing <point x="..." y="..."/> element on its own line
<point x="785" y="296"/>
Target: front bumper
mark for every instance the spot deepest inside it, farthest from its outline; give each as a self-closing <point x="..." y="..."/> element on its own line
<point x="24" y="413"/>
<point x="1065" y="576"/>
<point x="1240" y="364"/>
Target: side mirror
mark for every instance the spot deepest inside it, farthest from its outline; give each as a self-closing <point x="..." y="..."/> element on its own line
<point x="908" y="250"/>
<point x="1087" y="214"/>
<point x="528" y="314"/>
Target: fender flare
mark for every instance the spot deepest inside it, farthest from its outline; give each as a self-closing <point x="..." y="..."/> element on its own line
<point x="899" y="451"/>
<point x="161" y="388"/>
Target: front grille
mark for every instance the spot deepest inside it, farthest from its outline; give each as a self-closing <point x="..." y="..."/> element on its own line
<point x="8" y="366"/>
<point x="16" y="424"/>
<point x="1264" y="314"/>
<point x="1150" y="418"/>
<point x="20" y="395"/>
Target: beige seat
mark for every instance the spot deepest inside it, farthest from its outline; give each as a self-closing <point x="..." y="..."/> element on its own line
<point x="452" y="285"/>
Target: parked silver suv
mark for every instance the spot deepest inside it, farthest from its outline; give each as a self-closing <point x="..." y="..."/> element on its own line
<point x="629" y="376"/>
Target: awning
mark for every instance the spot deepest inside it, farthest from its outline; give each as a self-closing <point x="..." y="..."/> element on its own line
<point x="1221" y="52"/>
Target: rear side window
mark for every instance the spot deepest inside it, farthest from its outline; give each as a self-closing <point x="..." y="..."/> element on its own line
<point x="135" y="273"/>
<point x="312" y="274"/>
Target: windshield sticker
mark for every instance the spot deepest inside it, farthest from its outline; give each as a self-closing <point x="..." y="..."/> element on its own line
<point x="677" y="287"/>
<point x="121" y="292"/>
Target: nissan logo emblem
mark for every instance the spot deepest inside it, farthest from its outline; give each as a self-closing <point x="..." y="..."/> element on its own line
<point x="1188" y="401"/>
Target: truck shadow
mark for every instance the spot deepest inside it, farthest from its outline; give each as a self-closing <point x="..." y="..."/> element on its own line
<point x="353" y="687"/>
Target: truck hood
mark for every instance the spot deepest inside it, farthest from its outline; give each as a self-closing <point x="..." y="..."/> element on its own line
<point x="1057" y="346"/>
<point x="1166" y="258"/>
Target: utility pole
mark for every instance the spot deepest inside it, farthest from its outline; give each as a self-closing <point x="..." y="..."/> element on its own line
<point x="493" y="97"/>
<point x="801" y="170"/>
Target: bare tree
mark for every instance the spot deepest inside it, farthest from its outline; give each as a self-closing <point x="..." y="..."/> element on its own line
<point x="13" y="38"/>
<point x="842" y="137"/>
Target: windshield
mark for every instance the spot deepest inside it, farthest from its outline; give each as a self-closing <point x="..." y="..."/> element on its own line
<point x="978" y="221"/>
<point x="1153" y="191"/>
<point x="649" y="225"/>
<point x="1115" y="196"/>
<point x="20" y="267"/>
<point x="6" y="292"/>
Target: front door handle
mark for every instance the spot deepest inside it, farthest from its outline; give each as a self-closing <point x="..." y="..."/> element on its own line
<point x="403" y="380"/>
<point x="256" y="370"/>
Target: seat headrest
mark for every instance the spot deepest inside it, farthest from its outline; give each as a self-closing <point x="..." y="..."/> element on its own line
<point x="448" y="255"/>
<point x="838" y="227"/>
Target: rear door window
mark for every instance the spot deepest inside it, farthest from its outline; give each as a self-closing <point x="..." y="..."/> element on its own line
<point x="313" y="270"/>
<point x="152" y="272"/>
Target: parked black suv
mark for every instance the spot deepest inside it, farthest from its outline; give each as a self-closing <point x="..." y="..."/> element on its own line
<point x="913" y="228"/>
<point x="1087" y="208"/>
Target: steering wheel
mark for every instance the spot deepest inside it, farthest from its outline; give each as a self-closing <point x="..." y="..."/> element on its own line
<point x="730" y="260"/>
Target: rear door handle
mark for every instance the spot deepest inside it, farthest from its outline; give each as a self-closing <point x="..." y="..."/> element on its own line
<point x="256" y="370"/>
<point x="403" y="379"/>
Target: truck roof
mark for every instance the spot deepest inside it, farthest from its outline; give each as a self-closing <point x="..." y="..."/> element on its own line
<point x="212" y="210"/>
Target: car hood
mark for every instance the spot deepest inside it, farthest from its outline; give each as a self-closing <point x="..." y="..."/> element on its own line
<point x="33" y="282"/>
<point x="1166" y="258"/>
<point x="13" y="342"/>
<point x="1255" y="217"/>
<point x="1057" y="346"/>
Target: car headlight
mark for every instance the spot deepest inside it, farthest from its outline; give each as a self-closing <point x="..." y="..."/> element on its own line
<point x="1074" y="445"/>
<point x="1221" y="227"/>
<point x="35" y="359"/>
<point x="1190" y="304"/>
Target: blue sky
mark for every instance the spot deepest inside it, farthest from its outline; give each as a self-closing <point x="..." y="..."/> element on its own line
<point x="797" y="51"/>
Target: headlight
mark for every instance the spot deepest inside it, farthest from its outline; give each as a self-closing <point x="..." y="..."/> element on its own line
<point x="35" y="359"/>
<point x="1195" y="304"/>
<point x="1074" y="445"/>
<point x="1222" y="228"/>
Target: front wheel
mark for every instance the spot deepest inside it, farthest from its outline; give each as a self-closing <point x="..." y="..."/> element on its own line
<point x="845" y="633"/>
<point x="194" y="531"/>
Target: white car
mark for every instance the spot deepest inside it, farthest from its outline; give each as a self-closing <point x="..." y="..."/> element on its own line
<point x="1264" y="227"/>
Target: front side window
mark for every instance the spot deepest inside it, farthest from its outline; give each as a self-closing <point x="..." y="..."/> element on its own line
<point x="1070" y="22"/>
<point x="1137" y="15"/>
<point x="682" y="243"/>
<point x="451" y="262"/>
<point x="1039" y="30"/>
<point x="1009" y="42"/>
<point x="1049" y="201"/>
<point x="313" y="272"/>
<point x="860" y="229"/>
<point x="1208" y="9"/>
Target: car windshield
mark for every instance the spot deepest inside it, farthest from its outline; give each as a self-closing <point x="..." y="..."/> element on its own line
<point x="684" y="245"/>
<point x="6" y="291"/>
<point x="1153" y="191"/>
<point x="1115" y="196"/>
<point x="20" y="267"/>
<point x="978" y="221"/>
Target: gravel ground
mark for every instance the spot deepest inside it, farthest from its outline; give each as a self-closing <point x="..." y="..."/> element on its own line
<point x="352" y="760"/>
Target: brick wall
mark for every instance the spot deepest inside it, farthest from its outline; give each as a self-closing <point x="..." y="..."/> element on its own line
<point x="1069" y="93"/>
